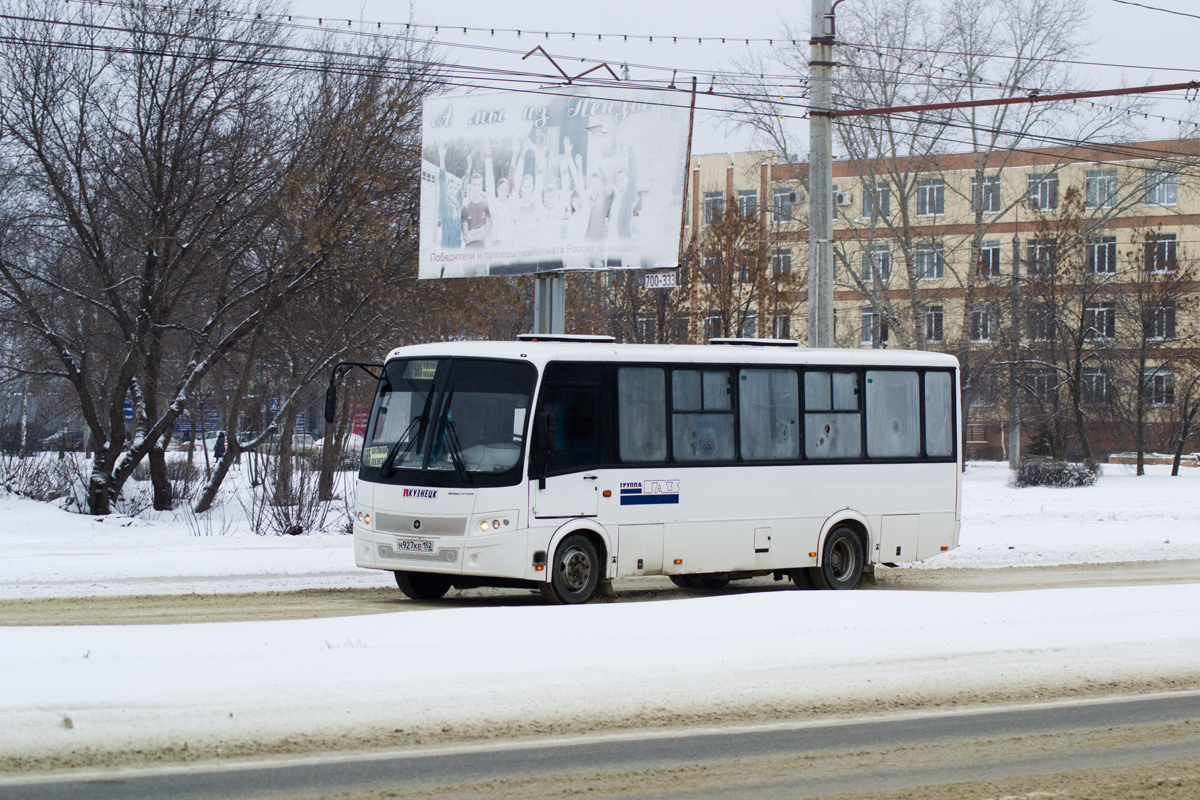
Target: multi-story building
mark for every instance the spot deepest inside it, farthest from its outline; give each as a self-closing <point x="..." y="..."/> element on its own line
<point x="1106" y="303"/>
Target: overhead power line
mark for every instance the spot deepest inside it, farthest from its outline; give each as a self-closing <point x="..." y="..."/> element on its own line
<point x="1156" y="8"/>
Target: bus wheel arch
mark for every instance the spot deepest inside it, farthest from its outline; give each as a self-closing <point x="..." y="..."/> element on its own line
<point x="577" y="567"/>
<point x="844" y="553"/>
<point x="599" y="537"/>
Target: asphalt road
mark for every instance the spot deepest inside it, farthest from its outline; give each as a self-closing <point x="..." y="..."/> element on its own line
<point x="1066" y="749"/>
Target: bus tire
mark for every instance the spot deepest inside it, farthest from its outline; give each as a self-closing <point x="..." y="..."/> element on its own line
<point x="574" y="572"/>
<point x="842" y="564"/>
<point x="801" y="579"/>
<point x="682" y="581"/>
<point x="423" y="585"/>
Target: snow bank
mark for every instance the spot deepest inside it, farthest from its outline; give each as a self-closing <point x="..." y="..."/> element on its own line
<point x="570" y="668"/>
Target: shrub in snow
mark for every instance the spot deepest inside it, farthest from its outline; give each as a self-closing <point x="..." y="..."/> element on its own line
<point x="1036" y="472"/>
<point x="42" y="476"/>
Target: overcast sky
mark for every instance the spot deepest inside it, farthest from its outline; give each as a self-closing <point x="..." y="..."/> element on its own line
<point x="1151" y="44"/>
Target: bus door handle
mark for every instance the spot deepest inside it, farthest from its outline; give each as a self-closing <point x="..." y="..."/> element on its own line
<point x="591" y="477"/>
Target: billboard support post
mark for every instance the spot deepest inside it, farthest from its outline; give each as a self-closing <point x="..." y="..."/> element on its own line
<point x="549" y="303"/>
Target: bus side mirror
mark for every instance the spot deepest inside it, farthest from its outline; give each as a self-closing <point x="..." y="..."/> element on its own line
<point x="543" y="441"/>
<point x="330" y="403"/>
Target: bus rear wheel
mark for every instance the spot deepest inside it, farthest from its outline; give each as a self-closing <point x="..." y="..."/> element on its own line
<point x="842" y="564"/>
<point x="574" y="572"/>
<point x="423" y="585"/>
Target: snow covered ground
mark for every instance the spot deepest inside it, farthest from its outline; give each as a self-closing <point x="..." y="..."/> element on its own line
<point x="51" y="553"/>
<point x="552" y="670"/>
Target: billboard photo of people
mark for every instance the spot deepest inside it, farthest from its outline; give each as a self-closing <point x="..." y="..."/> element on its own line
<point x="525" y="182"/>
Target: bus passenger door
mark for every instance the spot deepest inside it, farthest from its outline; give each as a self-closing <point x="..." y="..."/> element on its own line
<point x="571" y="487"/>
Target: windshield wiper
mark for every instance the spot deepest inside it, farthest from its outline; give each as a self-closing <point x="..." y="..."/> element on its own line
<point x="386" y="469"/>
<point x="447" y="434"/>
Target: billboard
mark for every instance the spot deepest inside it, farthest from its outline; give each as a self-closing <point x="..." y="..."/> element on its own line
<point x="523" y="182"/>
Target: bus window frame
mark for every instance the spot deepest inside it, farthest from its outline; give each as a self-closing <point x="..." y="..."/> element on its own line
<point x="609" y="457"/>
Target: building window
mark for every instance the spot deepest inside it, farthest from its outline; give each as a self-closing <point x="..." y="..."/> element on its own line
<point x="1100" y="188"/>
<point x="933" y="324"/>
<point x="1160" y="386"/>
<point x="781" y="326"/>
<point x="1101" y="255"/>
<point x="1160" y="253"/>
<point x="983" y="325"/>
<point x="1097" y="386"/>
<point x="1162" y="188"/>
<point x="645" y="328"/>
<point x="877" y="260"/>
<point x="869" y="320"/>
<point x="1043" y="191"/>
<point x="1043" y="385"/>
<point x="749" y="326"/>
<point x="931" y="197"/>
<point x="989" y="260"/>
<point x="877" y="201"/>
<point x="983" y="390"/>
<point x="748" y="202"/>
<point x="781" y="262"/>
<point x="714" y="206"/>
<point x="781" y="203"/>
<point x="986" y="197"/>
<point x="1039" y="324"/>
<point x="713" y="268"/>
<point x="1099" y="319"/>
<point x="714" y="327"/>
<point x="930" y="263"/>
<point x="1162" y="321"/>
<point x="1042" y="257"/>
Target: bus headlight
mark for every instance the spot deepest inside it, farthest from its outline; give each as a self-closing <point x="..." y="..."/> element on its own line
<point x="483" y="524"/>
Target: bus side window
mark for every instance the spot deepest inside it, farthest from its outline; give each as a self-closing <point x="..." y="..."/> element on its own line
<point x="939" y="415"/>
<point x="769" y="414"/>
<point x="702" y="418"/>
<point x="832" y="424"/>
<point x="575" y="445"/>
<point x="642" y="414"/>
<point x="893" y="414"/>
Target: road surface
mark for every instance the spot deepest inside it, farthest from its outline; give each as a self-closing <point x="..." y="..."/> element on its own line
<point x="1146" y="747"/>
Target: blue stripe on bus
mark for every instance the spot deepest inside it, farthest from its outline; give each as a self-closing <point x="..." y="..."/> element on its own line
<point x="648" y="499"/>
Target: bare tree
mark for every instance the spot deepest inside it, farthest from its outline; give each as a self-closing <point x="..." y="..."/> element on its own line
<point x="742" y="288"/>
<point x="1154" y="336"/>
<point x="178" y="184"/>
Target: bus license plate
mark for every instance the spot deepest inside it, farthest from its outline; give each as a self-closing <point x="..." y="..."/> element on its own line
<point x="414" y="546"/>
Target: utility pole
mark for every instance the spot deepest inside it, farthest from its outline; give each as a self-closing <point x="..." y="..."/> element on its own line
<point x="1014" y="414"/>
<point x="820" y="176"/>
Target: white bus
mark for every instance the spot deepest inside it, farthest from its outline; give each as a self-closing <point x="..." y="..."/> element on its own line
<point x="557" y="463"/>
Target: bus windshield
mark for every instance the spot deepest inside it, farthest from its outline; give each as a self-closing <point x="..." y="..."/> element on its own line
<point x="466" y="417"/>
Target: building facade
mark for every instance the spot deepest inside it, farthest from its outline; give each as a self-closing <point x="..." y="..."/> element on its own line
<point x="1061" y="277"/>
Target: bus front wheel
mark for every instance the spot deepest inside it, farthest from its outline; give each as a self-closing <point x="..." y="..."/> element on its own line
<point x="842" y="564"/>
<point x="423" y="585"/>
<point x="574" y="572"/>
